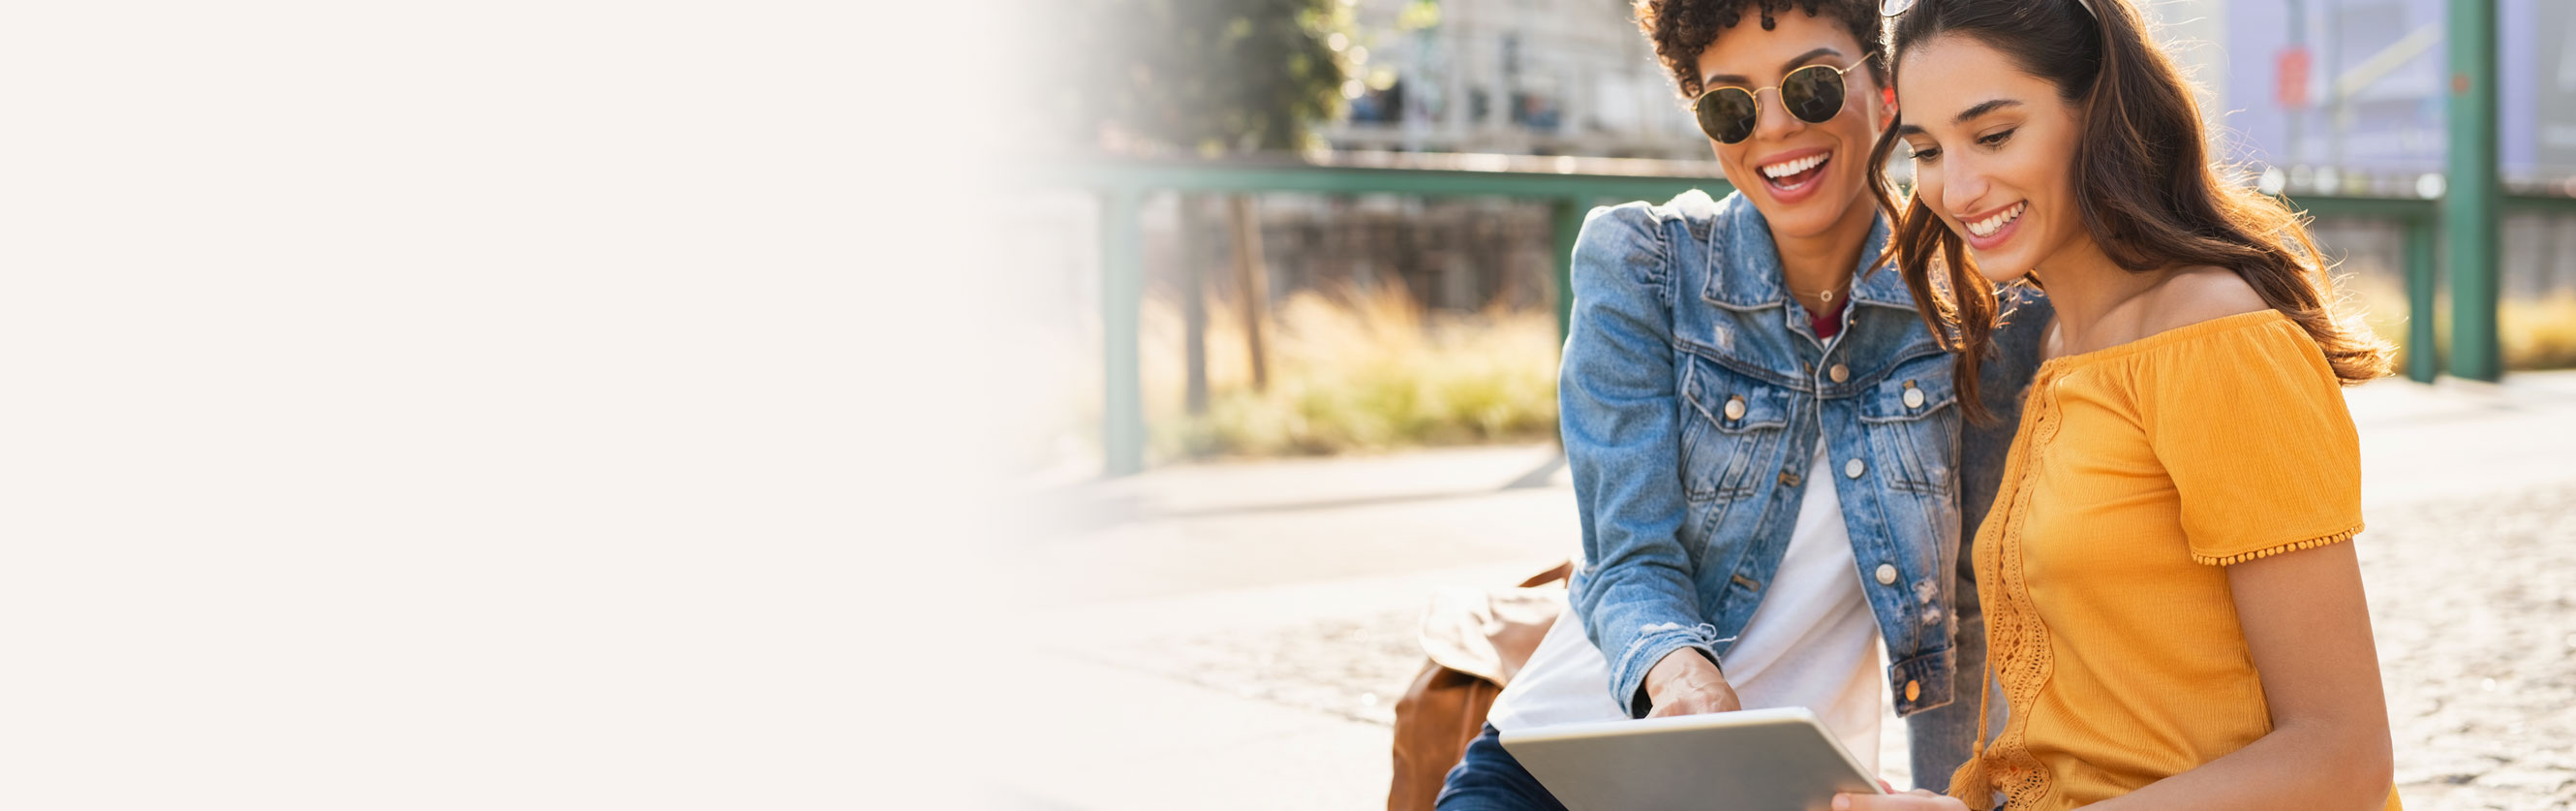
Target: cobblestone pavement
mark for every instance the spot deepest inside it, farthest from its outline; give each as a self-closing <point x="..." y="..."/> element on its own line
<point x="2473" y="602"/>
<point x="2474" y="606"/>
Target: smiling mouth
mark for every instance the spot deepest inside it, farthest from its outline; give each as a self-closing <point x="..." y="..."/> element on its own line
<point x="1988" y="226"/>
<point x="1796" y="173"/>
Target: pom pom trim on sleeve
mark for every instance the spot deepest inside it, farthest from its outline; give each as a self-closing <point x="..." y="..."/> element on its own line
<point x="2266" y="552"/>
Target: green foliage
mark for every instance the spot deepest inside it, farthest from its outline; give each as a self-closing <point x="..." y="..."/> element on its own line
<point x="1418" y="15"/>
<point x="1204" y="76"/>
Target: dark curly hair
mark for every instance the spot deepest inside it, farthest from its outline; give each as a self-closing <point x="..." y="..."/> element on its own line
<point x="1681" y="29"/>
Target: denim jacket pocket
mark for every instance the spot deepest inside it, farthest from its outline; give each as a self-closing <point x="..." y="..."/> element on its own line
<point x="1733" y="422"/>
<point x="1912" y="419"/>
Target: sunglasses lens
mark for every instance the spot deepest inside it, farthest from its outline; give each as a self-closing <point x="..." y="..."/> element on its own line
<point x="1726" y="114"/>
<point x="1813" y="93"/>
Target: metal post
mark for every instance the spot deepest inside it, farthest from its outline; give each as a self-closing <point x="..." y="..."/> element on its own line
<point x="2423" y="360"/>
<point x="2471" y="215"/>
<point x="1122" y="298"/>
<point x="1569" y="226"/>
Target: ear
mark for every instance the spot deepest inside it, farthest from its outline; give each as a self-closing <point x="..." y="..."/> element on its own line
<point x="1887" y="107"/>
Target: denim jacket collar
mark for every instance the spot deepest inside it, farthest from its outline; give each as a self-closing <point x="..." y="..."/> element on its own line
<point x="1744" y="263"/>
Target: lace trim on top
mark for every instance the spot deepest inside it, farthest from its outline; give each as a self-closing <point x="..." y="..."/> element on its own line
<point x="2024" y="662"/>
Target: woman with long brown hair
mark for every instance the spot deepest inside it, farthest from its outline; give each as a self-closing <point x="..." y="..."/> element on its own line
<point x="2174" y="617"/>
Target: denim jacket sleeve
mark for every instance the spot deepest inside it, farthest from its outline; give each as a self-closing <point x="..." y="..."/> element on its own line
<point x="1621" y="421"/>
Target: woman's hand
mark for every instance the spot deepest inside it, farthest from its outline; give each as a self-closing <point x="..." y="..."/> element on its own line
<point x="1685" y="683"/>
<point x="1916" y="800"/>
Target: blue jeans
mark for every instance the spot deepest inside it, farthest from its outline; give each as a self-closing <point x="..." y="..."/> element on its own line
<point x="1489" y="779"/>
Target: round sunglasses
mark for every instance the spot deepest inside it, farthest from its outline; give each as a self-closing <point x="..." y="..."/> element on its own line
<point x="1814" y="94"/>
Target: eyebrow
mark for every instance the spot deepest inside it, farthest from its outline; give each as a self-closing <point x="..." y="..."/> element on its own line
<point x="1964" y="116"/>
<point x="1983" y="108"/>
<point x="1804" y="58"/>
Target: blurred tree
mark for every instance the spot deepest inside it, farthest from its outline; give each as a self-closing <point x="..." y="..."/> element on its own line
<point x="1210" y="77"/>
<point x="1207" y="76"/>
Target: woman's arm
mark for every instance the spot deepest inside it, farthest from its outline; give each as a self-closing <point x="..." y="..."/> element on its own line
<point x="2309" y="631"/>
<point x="1621" y="420"/>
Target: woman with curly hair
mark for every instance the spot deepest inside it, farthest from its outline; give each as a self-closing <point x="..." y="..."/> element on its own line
<point x="2175" y="616"/>
<point x="1766" y="443"/>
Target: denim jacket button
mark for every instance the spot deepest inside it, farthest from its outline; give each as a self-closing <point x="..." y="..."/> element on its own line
<point x="1913" y="690"/>
<point x="1887" y="574"/>
<point x="1839" y="372"/>
<point x="1735" y="407"/>
<point x="1854" y="468"/>
<point x="1913" y="397"/>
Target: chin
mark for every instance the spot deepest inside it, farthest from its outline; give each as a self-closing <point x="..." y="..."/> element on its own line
<point x="1807" y="222"/>
<point x="1810" y="217"/>
<point x="2000" y="278"/>
<point x="2000" y="269"/>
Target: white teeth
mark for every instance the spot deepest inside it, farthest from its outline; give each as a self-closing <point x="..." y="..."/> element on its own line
<point x="1988" y="226"/>
<point x="1787" y="168"/>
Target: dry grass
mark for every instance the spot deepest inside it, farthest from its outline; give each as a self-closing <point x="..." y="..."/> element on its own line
<point x="2535" y="333"/>
<point x="2538" y="334"/>
<point x="1355" y="370"/>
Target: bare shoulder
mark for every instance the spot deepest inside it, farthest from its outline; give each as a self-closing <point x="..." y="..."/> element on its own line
<point x="2196" y="294"/>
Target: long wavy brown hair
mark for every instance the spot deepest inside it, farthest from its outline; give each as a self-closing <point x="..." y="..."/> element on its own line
<point x="2149" y="195"/>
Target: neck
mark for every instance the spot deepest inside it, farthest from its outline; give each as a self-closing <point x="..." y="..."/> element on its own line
<point x="1819" y="262"/>
<point x="2088" y="292"/>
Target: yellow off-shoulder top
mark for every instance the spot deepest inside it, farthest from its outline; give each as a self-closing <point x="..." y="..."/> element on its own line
<point x="2139" y="473"/>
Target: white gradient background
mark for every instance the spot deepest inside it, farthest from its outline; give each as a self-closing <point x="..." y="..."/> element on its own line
<point x="487" y="405"/>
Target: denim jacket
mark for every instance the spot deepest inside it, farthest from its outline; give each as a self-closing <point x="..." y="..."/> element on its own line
<point x="1691" y="395"/>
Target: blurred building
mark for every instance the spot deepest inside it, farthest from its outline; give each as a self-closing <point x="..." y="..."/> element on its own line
<point x="2341" y="97"/>
<point x="2357" y="86"/>
<point x="1525" y="77"/>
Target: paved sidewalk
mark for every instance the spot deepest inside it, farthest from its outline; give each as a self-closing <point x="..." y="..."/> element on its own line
<point x="1235" y="634"/>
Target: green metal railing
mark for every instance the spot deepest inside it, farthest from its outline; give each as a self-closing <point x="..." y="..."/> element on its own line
<point x="1122" y="185"/>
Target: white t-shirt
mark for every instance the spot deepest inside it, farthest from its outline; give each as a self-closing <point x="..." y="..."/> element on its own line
<point x="1812" y="643"/>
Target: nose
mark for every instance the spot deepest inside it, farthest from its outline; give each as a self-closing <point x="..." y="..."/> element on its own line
<point x="1963" y="184"/>
<point x="1773" y="121"/>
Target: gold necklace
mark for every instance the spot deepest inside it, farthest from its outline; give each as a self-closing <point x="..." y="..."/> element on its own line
<point x="1827" y="296"/>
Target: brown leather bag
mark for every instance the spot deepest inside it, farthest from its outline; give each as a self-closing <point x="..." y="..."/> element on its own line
<point x="1476" y="641"/>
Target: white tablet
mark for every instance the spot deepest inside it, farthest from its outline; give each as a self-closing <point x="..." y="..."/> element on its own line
<point x="1773" y="759"/>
